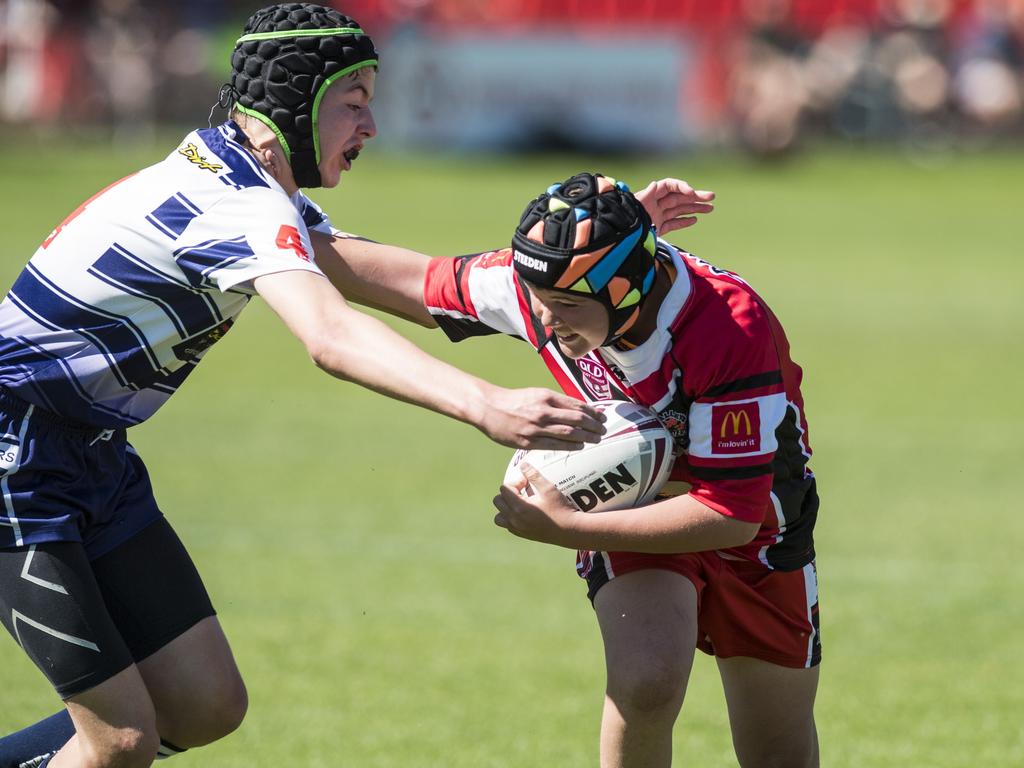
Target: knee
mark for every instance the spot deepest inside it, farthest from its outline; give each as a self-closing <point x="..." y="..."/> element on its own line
<point x="216" y="711"/>
<point x="230" y="707"/>
<point x="658" y="689"/>
<point x="222" y="711"/>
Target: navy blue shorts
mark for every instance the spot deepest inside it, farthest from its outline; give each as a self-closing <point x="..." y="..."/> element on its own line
<point x="61" y="481"/>
<point x="92" y="577"/>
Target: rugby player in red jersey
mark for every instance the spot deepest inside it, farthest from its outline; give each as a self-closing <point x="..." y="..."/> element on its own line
<point x="725" y="561"/>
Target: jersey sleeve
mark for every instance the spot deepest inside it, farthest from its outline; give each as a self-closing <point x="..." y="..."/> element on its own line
<point x="737" y="405"/>
<point x="479" y="294"/>
<point x="252" y="232"/>
<point x="315" y="219"/>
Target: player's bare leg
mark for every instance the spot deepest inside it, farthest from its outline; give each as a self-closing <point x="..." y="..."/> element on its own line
<point x="187" y="694"/>
<point x="195" y="685"/>
<point x="649" y="624"/>
<point x="115" y="726"/>
<point x="771" y="712"/>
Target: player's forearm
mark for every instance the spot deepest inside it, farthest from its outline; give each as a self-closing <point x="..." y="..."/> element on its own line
<point x="376" y="275"/>
<point x="676" y="525"/>
<point x="367" y="352"/>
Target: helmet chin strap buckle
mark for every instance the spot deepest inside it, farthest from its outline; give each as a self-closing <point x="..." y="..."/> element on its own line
<point x="225" y="98"/>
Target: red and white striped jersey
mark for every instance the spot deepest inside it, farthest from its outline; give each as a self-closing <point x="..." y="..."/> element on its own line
<point x="717" y="370"/>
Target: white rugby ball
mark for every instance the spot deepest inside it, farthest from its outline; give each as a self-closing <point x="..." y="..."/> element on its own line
<point x="626" y="469"/>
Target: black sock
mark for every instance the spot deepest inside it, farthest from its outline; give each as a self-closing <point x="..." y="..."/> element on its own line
<point x="43" y="738"/>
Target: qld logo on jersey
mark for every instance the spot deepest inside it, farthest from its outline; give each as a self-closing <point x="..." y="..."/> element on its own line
<point x="736" y="428"/>
<point x="595" y="379"/>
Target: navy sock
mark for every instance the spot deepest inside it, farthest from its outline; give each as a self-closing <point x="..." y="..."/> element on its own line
<point x="33" y="747"/>
<point x="44" y="737"/>
<point x="39" y="762"/>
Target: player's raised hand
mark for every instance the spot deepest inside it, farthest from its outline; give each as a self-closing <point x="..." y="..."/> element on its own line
<point x="672" y="204"/>
<point x="540" y="418"/>
<point x="546" y="515"/>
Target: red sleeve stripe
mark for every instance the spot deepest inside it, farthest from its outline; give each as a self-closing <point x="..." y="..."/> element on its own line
<point x="442" y="288"/>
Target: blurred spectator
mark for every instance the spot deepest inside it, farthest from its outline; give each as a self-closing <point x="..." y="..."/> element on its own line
<point x="122" y="51"/>
<point x="764" y="74"/>
<point x="988" y="64"/>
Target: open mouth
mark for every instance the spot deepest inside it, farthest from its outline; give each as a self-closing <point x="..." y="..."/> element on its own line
<point x="351" y="154"/>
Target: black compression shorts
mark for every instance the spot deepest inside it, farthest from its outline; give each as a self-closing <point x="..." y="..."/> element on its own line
<point x="83" y="622"/>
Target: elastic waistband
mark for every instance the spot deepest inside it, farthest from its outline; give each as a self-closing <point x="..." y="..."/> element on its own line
<point x="15" y="406"/>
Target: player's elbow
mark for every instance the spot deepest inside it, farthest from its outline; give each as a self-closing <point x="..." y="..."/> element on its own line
<point x="329" y="353"/>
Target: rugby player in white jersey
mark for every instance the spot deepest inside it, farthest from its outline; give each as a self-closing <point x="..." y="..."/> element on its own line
<point x="113" y="311"/>
<point x="726" y="561"/>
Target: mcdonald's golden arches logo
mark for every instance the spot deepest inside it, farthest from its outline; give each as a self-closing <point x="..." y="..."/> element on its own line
<point x="735" y="428"/>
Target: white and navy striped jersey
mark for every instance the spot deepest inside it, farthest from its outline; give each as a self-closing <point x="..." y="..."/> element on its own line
<point x="716" y="369"/>
<point x="122" y="300"/>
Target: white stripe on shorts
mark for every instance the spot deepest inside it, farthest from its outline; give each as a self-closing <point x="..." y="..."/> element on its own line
<point x="608" y="565"/>
<point x="4" y="485"/>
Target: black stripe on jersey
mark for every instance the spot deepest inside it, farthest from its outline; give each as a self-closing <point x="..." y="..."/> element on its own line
<point x="790" y="460"/>
<point x="747" y="382"/>
<point x="731" y="473"/>
<point x="798" y="500"/>
<point x="539" y="331"/>
<point x="461" y="328"/>
<point x="463" y="264"/>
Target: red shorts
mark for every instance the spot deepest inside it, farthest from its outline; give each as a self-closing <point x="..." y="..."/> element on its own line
<point x="743" y="608"/>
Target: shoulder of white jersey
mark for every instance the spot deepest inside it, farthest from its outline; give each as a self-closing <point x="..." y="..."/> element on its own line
<point x="267" y="231"/>
<point x="216" y="155"/>
<point x="313" y="215"/>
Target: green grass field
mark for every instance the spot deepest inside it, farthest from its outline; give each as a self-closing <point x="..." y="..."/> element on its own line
<point x="381" y="620"/>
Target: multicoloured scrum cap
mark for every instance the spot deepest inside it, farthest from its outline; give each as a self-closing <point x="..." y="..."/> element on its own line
<point x="589" y="235"/>
<point x="282" y="65"/>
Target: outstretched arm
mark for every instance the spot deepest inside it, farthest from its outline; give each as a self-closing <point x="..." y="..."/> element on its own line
<point x="384" y="277"/>
<point x="351" y="345"/>
<point x="390" y="278"/>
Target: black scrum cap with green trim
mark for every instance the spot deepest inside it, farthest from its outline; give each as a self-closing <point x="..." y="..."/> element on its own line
<point x="283" y="64"/>
<point x="589" y="236"/>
